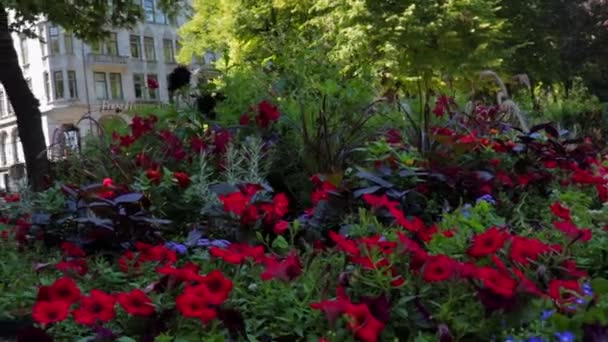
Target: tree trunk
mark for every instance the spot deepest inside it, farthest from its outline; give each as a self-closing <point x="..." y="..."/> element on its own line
<point x="29" y="121"/>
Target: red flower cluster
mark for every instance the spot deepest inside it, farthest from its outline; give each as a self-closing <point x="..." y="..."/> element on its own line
<point x="74" y="262"/>
<point x="239" y="203"/>
<point x="568" y="227"/>
<point x="266" y="114"/>
<point x="53" y="302"/>
<point x="160" y="254"/>
<point x="360" y="319"/>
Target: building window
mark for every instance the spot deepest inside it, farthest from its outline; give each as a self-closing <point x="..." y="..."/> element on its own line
<point x="96" y="47"/>
<point x="152" y="92"/>
<point x="15" y="137"/>
<point x="25" y="56"/>
<point x="135" y="46"/>
<point x="107" y="47"/>
<point x="112" y="45"/>
<point x="72" y="85"/>
<point x="138" y="85"/>
<point x="168" y="50"/>
<point x="41" y="33"/>
<point x="149" y="10"/>
<point x="149" y="48"/>
<point x="115" y="86"/>
<point x="101" y="88"/>
<point x="68" y="42"/>
<point x="2" y="103"/>
<point x="58" y="84"/>
<point x="47" y="86"/>
<point x="54" y="40"/>
<point x="3" y="141"/>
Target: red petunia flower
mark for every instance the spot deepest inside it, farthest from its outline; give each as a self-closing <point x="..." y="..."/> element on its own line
<point x="50" y="312"/>
<point x="64" y="289"/>
<point x="71" y="250"/>
<point x="219" y="287"/>
<point x="154" y="175"/>
<point x="188" y="273"/>
<point x="126" y="140"/>
<point x="524" y="250"/>
<point x="287" y="269"/>
<point x="77" y="266"/>
<point x="363" y="324"/>
<point x="128" y="263"/>
<point x="195" y="306"/>
<point x="496" y="282"/>
<point x="136" y="303"/>
<point x="560" y="211"/>
<point x="281" y="227"/>
<point x="227" y="255"/>
<point x="488" y="242"/>
<point x="99" y="306"/>
<point x="267" y="113"/>
<point x="182" y="179"/>
<point x="344" y="244"/>
<point x="235" y="202"/>
<point x="563" y="291"/>
<point x="572" y="231"/>
<point x="197" y="144"/>
<point x="244" y="120"/>
<point x="334" y="308"/>
<point x="438" y="268"/>
<point x="527" y="285"/>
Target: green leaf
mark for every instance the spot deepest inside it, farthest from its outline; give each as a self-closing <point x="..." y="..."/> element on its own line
<point x="599" y="285"/>
<point x="125" y="339"/>
<point x="280" y="243"/>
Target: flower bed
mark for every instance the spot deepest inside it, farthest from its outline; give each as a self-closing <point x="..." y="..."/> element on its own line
<point x="496" y="235"/>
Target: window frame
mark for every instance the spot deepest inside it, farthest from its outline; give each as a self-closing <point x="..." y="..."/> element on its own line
<point x="72" y="85"/>
<point x="58" y="86"/>
<point x="135" y="42"/>
<point x="141" y="84"/>
<point x="105" y="85"/>
<point x="147" y="40"/>
<point x="54" y="40"/>
<point x="171" y="57"/>
<point x="110" y="82"/>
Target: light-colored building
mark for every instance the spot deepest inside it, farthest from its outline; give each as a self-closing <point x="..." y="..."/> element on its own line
<point x="71" y="78"/>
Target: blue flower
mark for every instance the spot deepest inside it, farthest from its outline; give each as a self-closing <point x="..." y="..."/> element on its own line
<point x="536" y="339"/>
<point x="546" y="314"/>
<point x="213" y="243"/>
<point x="587" y="290"/>
<point x="510" y="339"/>
<point x="177" y="247"/>
<point x="581" y="301"/>
<point x="488" y="198"/>
<point x="565" y="336"/>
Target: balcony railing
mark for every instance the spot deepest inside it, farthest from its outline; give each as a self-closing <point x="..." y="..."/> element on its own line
<point x="107" y="59"/>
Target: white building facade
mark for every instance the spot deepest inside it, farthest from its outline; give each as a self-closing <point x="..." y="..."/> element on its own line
<point x="71" y="78"/>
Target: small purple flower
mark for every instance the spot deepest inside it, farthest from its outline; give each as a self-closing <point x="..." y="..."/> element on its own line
<point x="565" y="336"/>
<point x="177" y="247"/>
<point x="510" y="339"/>
<point x="213" y="243"/>
<point x="487" y="198"/>
<point x="587" y="290"/>
<point x="536" y="339"/>
<point x="546" y="314"/>
<point x="581" y="301"/>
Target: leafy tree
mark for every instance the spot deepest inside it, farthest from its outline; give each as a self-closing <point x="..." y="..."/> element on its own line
<point x="559" y="40"/>
<point x="87" y="19"/>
